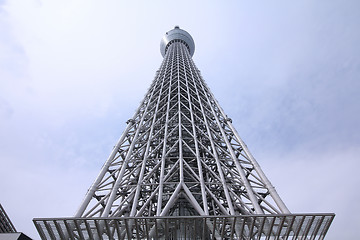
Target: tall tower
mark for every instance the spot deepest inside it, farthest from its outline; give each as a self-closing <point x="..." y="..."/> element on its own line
<point x="181" y="171"/>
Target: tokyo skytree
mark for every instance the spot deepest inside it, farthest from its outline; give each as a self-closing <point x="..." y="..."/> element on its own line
<point x="181" y="171"/>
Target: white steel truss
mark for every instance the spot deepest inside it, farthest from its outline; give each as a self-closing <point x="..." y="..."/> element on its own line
<point x="179" y="155"/>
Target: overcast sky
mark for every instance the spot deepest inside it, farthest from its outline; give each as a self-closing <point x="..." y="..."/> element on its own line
<point x="73" y="71"/>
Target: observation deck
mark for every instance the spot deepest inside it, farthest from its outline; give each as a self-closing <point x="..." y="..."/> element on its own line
<point x="177" y="35"/>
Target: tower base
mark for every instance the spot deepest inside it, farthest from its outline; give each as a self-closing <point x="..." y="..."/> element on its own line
<point x="277" y="226"/>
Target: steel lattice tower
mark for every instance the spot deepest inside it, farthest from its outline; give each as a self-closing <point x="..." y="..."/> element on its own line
<point x="180" y="170"/>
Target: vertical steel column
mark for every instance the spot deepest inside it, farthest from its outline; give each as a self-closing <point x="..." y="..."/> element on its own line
<point x="279" y="202"/>
<point x="111" y="199"/>
<point x="145" y="158"/>
<point x="163" y="155"/>
<point x="200" y="171"/>
<point x="222" y="177"/>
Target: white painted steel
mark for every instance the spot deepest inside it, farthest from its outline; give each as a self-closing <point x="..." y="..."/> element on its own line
<point x="179" y="155"/>
<point x="270" y="226"/>
<point x="257" y="167"/>
<point x="94" y="186"/>
<point x="177" y="34"/>
<point x="181" y="132"/>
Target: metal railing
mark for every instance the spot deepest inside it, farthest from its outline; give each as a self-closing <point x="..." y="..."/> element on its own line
<point x="279" y="226"/>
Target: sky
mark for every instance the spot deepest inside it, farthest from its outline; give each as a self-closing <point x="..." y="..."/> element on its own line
<point x="72" y="72"/>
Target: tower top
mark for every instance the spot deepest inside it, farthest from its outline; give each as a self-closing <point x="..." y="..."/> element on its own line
<point x="174" y="35"/>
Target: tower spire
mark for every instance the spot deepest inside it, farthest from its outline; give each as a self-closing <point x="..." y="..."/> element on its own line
<point x="181" y="169"/>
